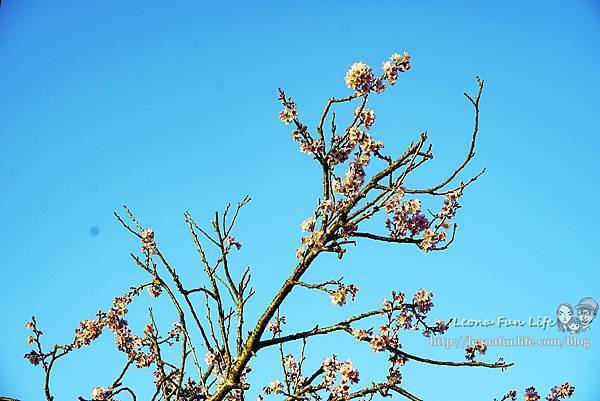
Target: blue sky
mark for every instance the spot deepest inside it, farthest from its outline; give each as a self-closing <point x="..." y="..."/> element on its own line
<point x="168" y="107"/>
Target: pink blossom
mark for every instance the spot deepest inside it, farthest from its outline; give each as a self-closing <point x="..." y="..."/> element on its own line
<point x="89" y="331"/>
<point x="316" y="239"/>
<point x="440" y="327"/>
<point x="353" y="180"/>
<point x="148" y="244"/>
<point x="154" y="289"/>
<point x="311" y="147"/>
<point x="274" y="387"/>
<point x="450" y="205"/>
<point x="232" y="242"/>
<point x="378" y="343"/>
<point x="210" y="358"/>
<point x="360" y="78"/>
<point x="404" y="320"/>
<point x="431" y="238"/>
<point x="101" y="393"/>
<point x="366" y="117"/>
<point x="33" y="357"/>
<point x="339" y="296"/>
<point x="531" y="394"/>
<point x="360" y="334"/>
<point x="563" y="391"/>
<point x="422" y="300"/>
<point x="395" y="65"/>
<point x="478" y="346"/>
<point x="407" y="219"/>
<point x="288" y="114"/>
<point x="394" y="375"/>
<point x="308" y="224"/>
<point x="275" y="326"/>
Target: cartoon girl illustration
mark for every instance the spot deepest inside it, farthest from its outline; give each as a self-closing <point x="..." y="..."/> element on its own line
<point x="564" y="314"/>
<point x="574" y="325"/>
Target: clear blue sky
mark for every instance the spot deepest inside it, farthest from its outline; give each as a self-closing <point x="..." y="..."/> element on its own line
<point x="171" y="106"/>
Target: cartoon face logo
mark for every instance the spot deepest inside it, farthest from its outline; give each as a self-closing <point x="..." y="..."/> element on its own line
<point x="574" y="325"/>
<point x="564" y="314"/>
<point x="587" y="309"/>
<point x="569" y="321"/>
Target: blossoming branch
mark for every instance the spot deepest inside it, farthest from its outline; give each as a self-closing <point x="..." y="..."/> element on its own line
<point x="215" y="342"/>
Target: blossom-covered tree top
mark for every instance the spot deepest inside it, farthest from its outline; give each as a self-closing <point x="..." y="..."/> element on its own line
<point x="216" y="344"/>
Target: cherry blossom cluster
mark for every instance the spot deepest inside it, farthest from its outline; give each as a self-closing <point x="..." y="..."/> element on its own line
<point x="288" y="114"/>
<point x="400" y="316"/>
<point x="354" y="177"/>
<point x="395" y="65"/>
<point x="531" y="394"/>
<point x="275" y="326"/>
<point x="293" y="376"/>
<point x="300" y="133"/>
<point x="102" y="394"/>
<point x="151" y="337"/>
<point x="315" y="238"/>
<point x="29" y="326"/>
<point x="422" y="300"/>
<point x="339" y="296"/>
<point x="275" y="387"/>
<point x="366" y="117"/>
<point x="88" y="331"/>
<point x="379" y="343"/>
<point x="231" y="241"/>
<point x="479" y="346"/>
<point x="293" y="370"/>
<point x="176" y="331"/>
<point x="155" y="289"/>
<point x="114" y="320"/>
<point x="557" y="393"/>
<point x="339" y="153"/>
<point x="407" y="219"/>
<point x="561" y="392"/>
<point x="348" y="375"/>
<point x="310" y="147"/>
<point x="33" y="356"/>
<point x="361" y="78"/>
<point x="450" y="205"/>
<point x="308" y="224"/>
<point x="148" y="244"/>
<point x="432" y="237"/>
<point x="353" y="180"/>
<point x="329" y="206"/>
